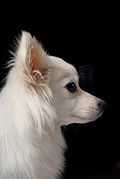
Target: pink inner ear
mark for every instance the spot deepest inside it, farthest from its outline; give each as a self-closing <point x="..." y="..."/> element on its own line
<point x="33" y="60"/>
<point x="32" y="71"/>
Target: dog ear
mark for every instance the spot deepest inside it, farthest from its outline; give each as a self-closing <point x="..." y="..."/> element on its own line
<point x="32" y="59"/>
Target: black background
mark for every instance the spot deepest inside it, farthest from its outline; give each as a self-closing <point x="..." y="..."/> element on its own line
<point x="85" y="35"/>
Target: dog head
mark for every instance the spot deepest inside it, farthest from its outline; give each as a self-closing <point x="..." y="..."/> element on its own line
<point x="73" y="105"/>
<point x="56" y="84"/>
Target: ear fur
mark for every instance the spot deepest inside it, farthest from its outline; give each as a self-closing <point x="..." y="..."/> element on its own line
<point x="32" y="62"/>
<point x="31" y="59"/>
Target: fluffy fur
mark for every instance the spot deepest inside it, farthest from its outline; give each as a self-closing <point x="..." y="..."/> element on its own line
<point x="34" y="103"/>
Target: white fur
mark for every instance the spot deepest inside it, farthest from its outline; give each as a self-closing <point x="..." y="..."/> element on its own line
<point x="34" y="103"/>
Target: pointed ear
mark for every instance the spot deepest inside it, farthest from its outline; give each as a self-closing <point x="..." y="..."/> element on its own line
<point x="32" y="59"/>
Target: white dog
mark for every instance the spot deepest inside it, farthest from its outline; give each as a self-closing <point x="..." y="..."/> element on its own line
<point x="41" y="94"/>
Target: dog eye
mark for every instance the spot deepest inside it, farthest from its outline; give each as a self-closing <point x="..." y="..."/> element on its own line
<point x="71" y="87"/>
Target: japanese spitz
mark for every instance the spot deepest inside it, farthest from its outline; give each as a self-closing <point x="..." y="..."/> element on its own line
<point x="41" y="94"/>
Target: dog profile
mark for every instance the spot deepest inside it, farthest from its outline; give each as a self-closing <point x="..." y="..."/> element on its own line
<point x="40" y="95"/>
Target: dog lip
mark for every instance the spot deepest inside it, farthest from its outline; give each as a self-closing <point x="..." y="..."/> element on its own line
<point x="100" y="114"/>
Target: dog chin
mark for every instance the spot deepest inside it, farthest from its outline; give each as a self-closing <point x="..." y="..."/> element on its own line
<point x="79" y="119"/>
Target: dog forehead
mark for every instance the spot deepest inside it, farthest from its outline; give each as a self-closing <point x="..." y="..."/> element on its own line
<point x="62" y="65"/>
<point x="62" y="69"/>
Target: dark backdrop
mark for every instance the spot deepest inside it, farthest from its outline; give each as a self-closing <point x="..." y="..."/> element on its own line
<point x="86" y="36"/>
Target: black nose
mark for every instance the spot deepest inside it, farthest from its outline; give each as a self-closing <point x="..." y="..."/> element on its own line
<point x="102" y="105"/>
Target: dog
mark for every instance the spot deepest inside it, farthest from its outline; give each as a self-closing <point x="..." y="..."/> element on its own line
<point x="40" y="95"/>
